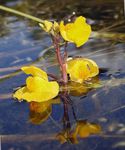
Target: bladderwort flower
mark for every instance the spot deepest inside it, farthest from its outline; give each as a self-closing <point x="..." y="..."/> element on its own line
<point x="77" y="32"/>
<point x="38" y="88"/>
<point x="50" y="27"/>
<point x="81" y="69"/>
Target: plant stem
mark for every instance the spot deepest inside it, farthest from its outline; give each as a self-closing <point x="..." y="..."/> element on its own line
<point x="60" y="60"/>
<point x="20" y="14"/>
<point x="52" y="76"/>
<point x="66" y="120"/>
<point x="65" y="52"/>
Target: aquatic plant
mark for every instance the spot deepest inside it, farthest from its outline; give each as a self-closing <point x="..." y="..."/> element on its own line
<point x="41" y="87"/>
<point x="38" y="88"/>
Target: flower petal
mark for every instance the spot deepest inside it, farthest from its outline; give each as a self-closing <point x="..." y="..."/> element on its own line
<point x="63" y="31"/>
<point x="80" y="20"/>
<point x="81" y="69"/>
<point x="19" y="93"/>
<point x="46" y="25"/>
<point x="33" y="83"/>
<point x="77" y="32"/>
<point x="35" y="71"/>
<point x="37" y="90"/>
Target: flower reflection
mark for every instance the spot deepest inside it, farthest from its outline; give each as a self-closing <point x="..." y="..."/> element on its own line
<point x="81" y="89"/>
<point x="40" y="112"/>
<point x="64" y="136"/>
<point x="71" y="133"/>
<point x="82" y="129"/>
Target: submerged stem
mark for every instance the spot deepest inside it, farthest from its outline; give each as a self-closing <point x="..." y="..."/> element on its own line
<point x="52" y="76"/>
<point x="66" y="120"/>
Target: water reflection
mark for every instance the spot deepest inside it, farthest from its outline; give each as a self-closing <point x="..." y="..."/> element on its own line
<point x="81" y="129"/>
<point x="40" y="112"/>
<point x="71" y="131"/>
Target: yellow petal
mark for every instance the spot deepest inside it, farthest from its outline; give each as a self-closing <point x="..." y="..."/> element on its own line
<point x="63" y="31"/>
<point x="81" y="69"/>
<point x="37" y="90"/>
<point x="19" y="93"/>
<point x="77" y="32"/>
<point x="33" y="83"/>
<point x="42" y="90"/>
<point x="46" y="25"/>
<point x="80" y="20"/>
<point x="35" y="71"/>
<point x="81" y="32"/>
<point x="56" y="27"/>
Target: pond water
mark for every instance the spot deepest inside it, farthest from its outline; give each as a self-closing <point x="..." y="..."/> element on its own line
<point x="22" y="42"/>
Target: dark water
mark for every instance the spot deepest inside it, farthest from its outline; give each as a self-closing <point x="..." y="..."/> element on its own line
<point x="22" y="42"/>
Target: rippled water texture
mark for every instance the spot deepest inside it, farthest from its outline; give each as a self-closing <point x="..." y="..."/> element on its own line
<point x="22" y="42"/>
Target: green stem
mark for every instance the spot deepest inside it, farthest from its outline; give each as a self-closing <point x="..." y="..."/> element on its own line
<point x="20" y="14"/>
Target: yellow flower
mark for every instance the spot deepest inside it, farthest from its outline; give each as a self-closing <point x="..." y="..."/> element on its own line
<point x="50" y="27"/>
<point x="81" y="69"/>
<point x="38" y="88"/>
<point x="46" y="25"/>
<point x="77" y="32"/>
